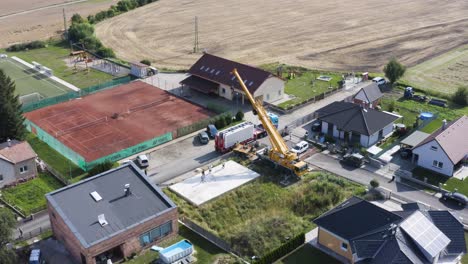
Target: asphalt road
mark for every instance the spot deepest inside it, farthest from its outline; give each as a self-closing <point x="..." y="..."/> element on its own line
<point x="364" y="177"/>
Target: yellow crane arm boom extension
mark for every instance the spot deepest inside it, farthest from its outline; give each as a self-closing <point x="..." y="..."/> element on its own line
<point x="276" y="140"/>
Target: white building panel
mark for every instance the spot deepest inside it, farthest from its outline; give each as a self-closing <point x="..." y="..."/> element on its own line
<point x="430" y="153"/>
<point x="272" y="89"/>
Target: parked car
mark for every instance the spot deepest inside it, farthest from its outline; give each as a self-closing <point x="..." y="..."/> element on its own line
<point x="36" y="257"/>
<point x="355" y="159"/>
<point x="203" y="138"/>
<point x="142" y="161"/>
<point x="300" y="147"/>
<point x="455" y="196"/>
<point x="379" y="81"/>
<point x="211" y="131"/>
<point x="438" y="102"/>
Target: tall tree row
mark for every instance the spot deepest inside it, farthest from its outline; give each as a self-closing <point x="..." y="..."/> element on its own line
<point x="11" y="116"/>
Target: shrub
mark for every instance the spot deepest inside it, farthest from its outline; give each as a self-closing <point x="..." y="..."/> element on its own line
<point x="77" y="19"/>
<point x="391" y="106"/>
<point x="239" y="116"/>
<point x="330" y="139"/>
<point x="282" y="250"/>
<point x="145" y="61"/>
<point x="101" y="167"/>
<point x="37" y="44"/>
<point x="78" y="32"/>
<point x="220" y="122"/>
<point x="228" y="119"/>
<point x="106" y="52"/>
<point x="460" y="97"/>
<point x="374" y="183"/>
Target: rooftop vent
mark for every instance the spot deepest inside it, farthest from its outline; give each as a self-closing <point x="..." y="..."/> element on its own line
<point x="127" y="190"/>
<point x="96" y="196"/>
<point x="102" y="220"/>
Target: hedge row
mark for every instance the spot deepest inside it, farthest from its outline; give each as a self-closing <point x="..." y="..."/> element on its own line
<point x="121" y="7"/>
<point x="282" y="250"/>
<point x="37" y="44"/>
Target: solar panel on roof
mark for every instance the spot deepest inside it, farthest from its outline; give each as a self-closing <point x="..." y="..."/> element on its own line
<point x="201" y="68"/>
<point x="426" y="235"/>
<point x="250" y="84"/>
<point x="212" y="70"/>
<point x="218" y="72"/>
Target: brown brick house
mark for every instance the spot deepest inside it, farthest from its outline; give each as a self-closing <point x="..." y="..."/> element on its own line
<point x="17" y="162"/>
<point x="111" y="215"/>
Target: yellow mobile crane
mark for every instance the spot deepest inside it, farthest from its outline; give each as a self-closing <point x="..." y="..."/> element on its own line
<point x="279" y="153"/>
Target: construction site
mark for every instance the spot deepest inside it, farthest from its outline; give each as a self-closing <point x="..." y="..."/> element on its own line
<point x="113" y="124"/>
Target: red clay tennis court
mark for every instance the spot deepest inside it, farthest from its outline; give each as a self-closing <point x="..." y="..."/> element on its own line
<point x="106" y="122"/>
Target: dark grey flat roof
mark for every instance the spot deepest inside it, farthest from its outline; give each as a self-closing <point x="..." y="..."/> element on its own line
<point x="80" y="211"/>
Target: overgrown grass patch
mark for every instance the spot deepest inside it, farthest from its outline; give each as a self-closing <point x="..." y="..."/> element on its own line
<point x="304" y="85"/>
<point x="29" y="196"/>
<point x="53" y="158"/>
<point x="54" y="56"/>
<point x="308" y="254"/>
<point x="260" y="216"/>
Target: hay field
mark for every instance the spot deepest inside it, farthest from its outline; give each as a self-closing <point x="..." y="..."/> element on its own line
<point x="443" y="73"/>
<point x="337" y="34"/>
<point x="28" y="20"/>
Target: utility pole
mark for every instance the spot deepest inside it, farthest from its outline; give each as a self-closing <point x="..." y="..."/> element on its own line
<point x="65" y="23"/>
<point x="195" y="46"/>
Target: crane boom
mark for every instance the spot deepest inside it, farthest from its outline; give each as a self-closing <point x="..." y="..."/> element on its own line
<point x="276" y="140"/>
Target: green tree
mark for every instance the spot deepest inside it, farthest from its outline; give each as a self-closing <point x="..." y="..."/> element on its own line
<point x="461" y="96"/>
<point x="7" y="223"/>
<point x="394" y="70"/>
<point x="374" y="183"/>
<point x="77" y="19"/>
<point x="101" y="167"/>
<point x="11" y="116"/>
<point x="79" y="32"/>
<point x="106" y="52"/>
<point x="146" y="61"/>
<point x="239" y="115"/>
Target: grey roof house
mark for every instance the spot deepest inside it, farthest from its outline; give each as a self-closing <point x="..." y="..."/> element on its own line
<point x="111" y="215"/>
<point x="369" y="96"/>
<point x="445" y="151"/>
<point x="355" y="124"/>
<point x="17" y="162"/>
<point x="213" y="75"/>
<point x="364" y="233"/>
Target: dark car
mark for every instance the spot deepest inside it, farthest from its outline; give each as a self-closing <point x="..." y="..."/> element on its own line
<point x="355" y="159"/>
<point x="203" y="137"/>
<point x="455" y="196"/>
<point x="211" y="130"/>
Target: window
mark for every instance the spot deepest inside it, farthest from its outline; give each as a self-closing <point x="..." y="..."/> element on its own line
<point x="23" y="169"/>
<point x="279" y="92"/>
<point x="250" y="84"/>
<point x="1" y="177"/>
<point x="218" y="72"/>
<point x="268" y="97"/>
<point x="434" y="148"/>
<point x="201" y="68"/>
<point x="437" y="164"/>
<point x="223" y="91"/>
<point x="156" y="233"/>
<point x="212" y="70"/>
<point x="344" y="246"/>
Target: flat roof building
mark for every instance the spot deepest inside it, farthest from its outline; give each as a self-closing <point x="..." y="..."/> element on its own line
<point x="111" y="215"/>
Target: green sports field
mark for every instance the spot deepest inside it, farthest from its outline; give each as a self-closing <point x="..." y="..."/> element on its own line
<point x="29" y="81"/>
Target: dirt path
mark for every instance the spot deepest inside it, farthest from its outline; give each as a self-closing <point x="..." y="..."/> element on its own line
<point x="22" y="21"/>
<point x="321" y="34"/>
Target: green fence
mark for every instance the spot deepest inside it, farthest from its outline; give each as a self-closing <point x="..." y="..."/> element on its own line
<point x="197" y="126"/>
<point x="80" y="161"/>
<point x="72" y="95"/>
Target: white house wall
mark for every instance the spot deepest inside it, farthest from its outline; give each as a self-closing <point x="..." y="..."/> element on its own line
<point x="388" y="129"/>
<point x="227" y="91"/>
<point x="336" y="133"/>
<point x="428" y="155"/>
<point x="8" y="171"/>
<point x="272" y="89"/>
<point x="324" y="127"/>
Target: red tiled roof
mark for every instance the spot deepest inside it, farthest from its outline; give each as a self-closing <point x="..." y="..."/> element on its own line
<point x="18" y="152"/>
<point x="219" y="70"/>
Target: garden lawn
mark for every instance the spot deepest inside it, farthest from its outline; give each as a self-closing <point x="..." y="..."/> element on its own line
<point x="449" y="183"/>
<point x="50" y="156"/>
<point x="29" y="196"/>
<point x="432" y="126"/>
<point x="54" y="57"/>
<point x="259" y="216"/>
<point x="305" y="85"/>
<point x="206" y="252"/>
<point x="308" y="254"/>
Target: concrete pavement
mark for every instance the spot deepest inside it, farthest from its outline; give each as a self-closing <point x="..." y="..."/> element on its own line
<point x="363" y="176"/>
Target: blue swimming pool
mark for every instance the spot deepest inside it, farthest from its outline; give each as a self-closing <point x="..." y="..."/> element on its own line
<point x="176" y="251"/>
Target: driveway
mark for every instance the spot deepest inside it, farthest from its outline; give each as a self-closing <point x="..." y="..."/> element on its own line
<point x="362" y="176"/>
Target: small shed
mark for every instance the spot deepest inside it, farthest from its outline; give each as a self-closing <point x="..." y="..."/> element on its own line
<point x="139" y="70"/>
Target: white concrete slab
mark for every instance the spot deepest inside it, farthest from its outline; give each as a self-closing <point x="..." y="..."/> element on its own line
<point x="199" y="190"/>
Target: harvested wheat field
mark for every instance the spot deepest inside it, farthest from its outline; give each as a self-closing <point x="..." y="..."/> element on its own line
<point x="28" y="20"/>
<point x="345" y="34"/>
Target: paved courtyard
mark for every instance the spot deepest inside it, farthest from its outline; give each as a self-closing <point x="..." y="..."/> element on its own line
<point x="200" y="189"/>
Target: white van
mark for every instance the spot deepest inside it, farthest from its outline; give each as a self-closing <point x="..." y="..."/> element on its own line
<point x="300" y="147"/>
<point x="379" y="80"/>
<point x="143" y="161"/>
